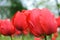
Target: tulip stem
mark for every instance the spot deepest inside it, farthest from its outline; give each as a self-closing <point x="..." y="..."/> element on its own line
<point x="22" y="36"/>
<point x="11" y="37"/>
<point x="0" y="35"/>
<point x="29" y="36"/>
<point x="50" y="36"/>
<point x="45" y="37"/>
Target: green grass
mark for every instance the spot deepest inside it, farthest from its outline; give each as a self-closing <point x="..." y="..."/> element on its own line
<point x="9" y="38"/>
<point x="58" y="38"/>
<point x="20" y="38"/>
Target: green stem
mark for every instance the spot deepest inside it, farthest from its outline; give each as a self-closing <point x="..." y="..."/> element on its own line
<point x="0" y="36"/>
<point x="28" y="36"/>
<point x="11" y="37"/>
<point x="45" y="37"/>
<point x="50" y="36"/>
<point x="22" y="36"/>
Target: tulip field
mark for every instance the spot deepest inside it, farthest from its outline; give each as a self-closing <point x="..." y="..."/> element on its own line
<point x="35" y="24"/>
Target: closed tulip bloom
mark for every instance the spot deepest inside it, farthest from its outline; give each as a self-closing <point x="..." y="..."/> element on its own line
<point x="7" y="28"/>
<point x="47" y="21"/>
<point x="42" y="21"/>
<point x="19" y="21"/>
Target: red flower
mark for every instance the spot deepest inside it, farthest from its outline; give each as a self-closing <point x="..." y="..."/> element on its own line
<point x="19" y="21"/>
<point x="41" y="22"/>
<point x="58" y="21"/>
<point x="7" y="28"/>
<point x="47" y="21"/>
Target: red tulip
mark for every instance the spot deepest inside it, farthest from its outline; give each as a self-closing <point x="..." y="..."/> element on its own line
<point x="7" y="28"/>
<point x="19" y="21"/>
<point x="58" y="21"/>
<point x="41" y="22"/>
<point x="47" y="21"/>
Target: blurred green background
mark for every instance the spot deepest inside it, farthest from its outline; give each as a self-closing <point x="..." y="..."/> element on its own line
<point x="9" y="7"/>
